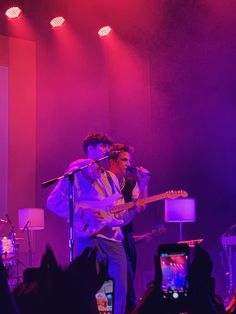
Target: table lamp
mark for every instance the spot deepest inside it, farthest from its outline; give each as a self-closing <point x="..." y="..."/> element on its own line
<point x="180" y="210"/>
<point x="31" y="219"/>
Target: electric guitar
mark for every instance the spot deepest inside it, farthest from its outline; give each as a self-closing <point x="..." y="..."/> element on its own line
<point x="92" y="216"/>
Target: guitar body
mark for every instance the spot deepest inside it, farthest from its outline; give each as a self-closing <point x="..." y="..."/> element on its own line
<point x="87" y="229"/>
<point x="105" y="203"/>
<point x="93" y="216"/>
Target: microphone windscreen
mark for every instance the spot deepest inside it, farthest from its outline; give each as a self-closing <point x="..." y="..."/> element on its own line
<point x="132" y="169"/>
<point x="135" y="170"/>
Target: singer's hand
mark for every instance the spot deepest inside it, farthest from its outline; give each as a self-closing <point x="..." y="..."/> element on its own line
<point x="139" y="208"/>
<point x="143" y="171"/>
<point x="143" y="175"/>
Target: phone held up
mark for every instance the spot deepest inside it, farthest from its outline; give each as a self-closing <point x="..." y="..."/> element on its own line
<point x="105" y="297"/>
<point x="174" y="262"/>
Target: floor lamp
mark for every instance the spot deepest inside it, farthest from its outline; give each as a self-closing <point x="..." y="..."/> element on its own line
<point x="31" y="219"/>
<point x="180" y="210"/>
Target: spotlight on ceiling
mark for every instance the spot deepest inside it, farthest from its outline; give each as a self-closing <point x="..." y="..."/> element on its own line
<point x="57" y="22"/>
<point x="104" y="31"/>
<point x="13" y="13"/>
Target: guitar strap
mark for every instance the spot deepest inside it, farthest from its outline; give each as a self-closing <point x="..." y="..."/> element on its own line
<point x="114" y="187"/>
<point x="100" y="183"/>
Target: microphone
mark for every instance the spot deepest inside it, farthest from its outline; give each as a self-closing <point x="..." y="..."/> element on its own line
<point x="132" y="169"/>
<point x="136" y="170"/>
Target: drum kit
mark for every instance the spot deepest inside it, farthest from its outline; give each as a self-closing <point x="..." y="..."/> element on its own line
<point x="8" y="249"/>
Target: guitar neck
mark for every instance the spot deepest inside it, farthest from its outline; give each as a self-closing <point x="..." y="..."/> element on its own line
<point x="151" y="199"/>
<point x="142" y="201"/>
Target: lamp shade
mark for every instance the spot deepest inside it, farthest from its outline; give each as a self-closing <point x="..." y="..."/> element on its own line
<point x="180" y="210"/>
<point x="32" y="217"/>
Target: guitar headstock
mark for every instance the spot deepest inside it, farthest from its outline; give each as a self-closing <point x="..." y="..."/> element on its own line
<point x="176" y="194"/>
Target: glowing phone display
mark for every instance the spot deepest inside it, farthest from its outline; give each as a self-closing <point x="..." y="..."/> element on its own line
<point x="105" y="298"/>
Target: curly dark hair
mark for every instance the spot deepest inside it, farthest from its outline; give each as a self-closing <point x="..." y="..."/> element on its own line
<point x="93" y="139"/>
<point x="120" y="148"/>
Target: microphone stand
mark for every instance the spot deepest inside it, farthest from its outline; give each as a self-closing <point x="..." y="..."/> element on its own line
<point x="70" y="176"/>
<point x="26" y="227"/>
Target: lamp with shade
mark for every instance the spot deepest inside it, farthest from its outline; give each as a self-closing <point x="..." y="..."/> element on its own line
<point x="180" y="210"/>
<point x="31" y="219"/>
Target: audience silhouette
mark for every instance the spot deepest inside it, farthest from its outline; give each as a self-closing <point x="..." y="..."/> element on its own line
<point x="56" y="290"/>
<point x="53" y="289"/>
<point x="201" y="299"/>
<point x="7" y="302"/>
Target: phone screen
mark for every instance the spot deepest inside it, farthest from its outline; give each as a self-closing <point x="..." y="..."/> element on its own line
<point x="174" y="267"/>
<point x="105" y="298"/>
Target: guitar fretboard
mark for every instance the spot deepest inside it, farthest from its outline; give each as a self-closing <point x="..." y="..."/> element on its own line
<point x="119" y="208"/>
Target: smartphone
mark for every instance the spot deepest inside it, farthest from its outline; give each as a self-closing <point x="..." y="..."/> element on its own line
<point x="105" y="297"/>
<point x="174" y="262"/>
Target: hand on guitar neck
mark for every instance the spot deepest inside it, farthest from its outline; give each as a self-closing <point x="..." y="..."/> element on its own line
<point x="148" y="236"/>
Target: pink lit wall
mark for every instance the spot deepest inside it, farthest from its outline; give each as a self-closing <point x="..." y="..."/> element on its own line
<point x="3" y="139"/>
<point x="18" y="132"/>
